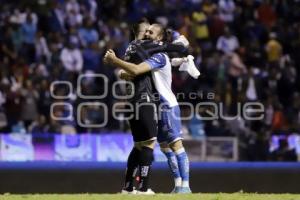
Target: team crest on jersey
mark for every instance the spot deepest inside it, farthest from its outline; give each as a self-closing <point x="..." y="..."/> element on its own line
<point x="130" y="50"/>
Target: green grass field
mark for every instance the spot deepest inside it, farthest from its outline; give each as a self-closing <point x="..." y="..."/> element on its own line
<point x="218" y="196"/>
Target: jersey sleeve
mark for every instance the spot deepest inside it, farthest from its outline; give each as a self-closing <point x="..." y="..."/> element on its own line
<point x="156" y="61"/>
<point x="175" y="35"/>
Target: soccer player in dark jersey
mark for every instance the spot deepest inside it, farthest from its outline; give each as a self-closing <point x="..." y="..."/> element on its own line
<point x="143" y="127"/>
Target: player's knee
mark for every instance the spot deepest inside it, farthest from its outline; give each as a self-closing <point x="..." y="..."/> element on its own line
<point x="164" y="147"/>
<point x="176" y="145"/>
<point x="137" y="145"/>
<point x="149" y="144"/>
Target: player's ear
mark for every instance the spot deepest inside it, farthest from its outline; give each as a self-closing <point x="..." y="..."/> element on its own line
<point x="168" y="35"/>
<point x="160" y="37"/>
<point x="165" y="36"/>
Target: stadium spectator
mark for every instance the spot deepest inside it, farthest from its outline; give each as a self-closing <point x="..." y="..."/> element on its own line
<point x="73" y="16"/>
<point x="30" y="96"/>
<point x="41" y="48"/>
<point x="92" y="8"/>
<point x="283" y="153"/>
<point x="266" y="14"/>
<point x="17" y="37"/>
<point x="91" y="58"/>
<point x="88" y="33"/>
<point x="44" y="101"/>
<point x="29" y="30"/>
<point x="39" y="125"/>
<point x="54" y="126"/>
<point x="56" y="19"/>
<point x="227" y="43"/>
<point x="3" y="118"/>
<point x="273" y="50"/>
<point x="209" y="8"/>
<point x="72" y="5"/>
<point x="7" y="52"/>
<point x="200" y="26"/>
<point x="71" y="57"/>
<point x="16" y="17"/>
<point x="226" y="10"/>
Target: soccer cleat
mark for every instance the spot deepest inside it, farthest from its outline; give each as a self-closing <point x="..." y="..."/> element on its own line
<point x="184" y="190"/>
<point x="134" y="191"/>
<point x="148" y="192"/>
<point x="176" y="189"/>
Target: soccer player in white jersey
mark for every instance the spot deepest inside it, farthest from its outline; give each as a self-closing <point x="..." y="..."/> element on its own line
<point x="169" y="112"/>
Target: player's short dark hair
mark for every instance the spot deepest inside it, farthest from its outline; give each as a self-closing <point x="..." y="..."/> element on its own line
<point x="169" y="36"/>
<point x="137" y="26"/>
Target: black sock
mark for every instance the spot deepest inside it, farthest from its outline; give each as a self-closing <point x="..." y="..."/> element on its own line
<point x="146" y="159"/>
<point x="132" y="167"/>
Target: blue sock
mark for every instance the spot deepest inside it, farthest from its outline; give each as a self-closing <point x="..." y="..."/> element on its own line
<point x="173" y="165"/>
<point x="183" y="165"/>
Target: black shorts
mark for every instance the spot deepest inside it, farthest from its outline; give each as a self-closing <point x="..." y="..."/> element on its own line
<point x="144" y="124"/>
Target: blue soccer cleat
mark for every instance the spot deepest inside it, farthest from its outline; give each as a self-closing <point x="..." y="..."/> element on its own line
<point x="176" y="189"/>
<point x="184" y="190"/>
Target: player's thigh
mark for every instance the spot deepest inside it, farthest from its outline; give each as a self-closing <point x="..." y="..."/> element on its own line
<point x="161" y="133"/>
<point x="146" y="115"/>
<point x="164" y="147"/>
<point x="145" y="127"/>
<point x="170" y="127"/>
<point x="149" y="143"/>
<point x="135" y="131"/>
<point x="176" y="145"/>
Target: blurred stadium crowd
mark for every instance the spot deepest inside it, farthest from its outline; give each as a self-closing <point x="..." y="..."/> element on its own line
<point x="246" y="50"/>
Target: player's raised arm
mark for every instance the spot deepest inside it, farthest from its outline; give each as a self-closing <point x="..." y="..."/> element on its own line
<point x="156" y="61"/>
